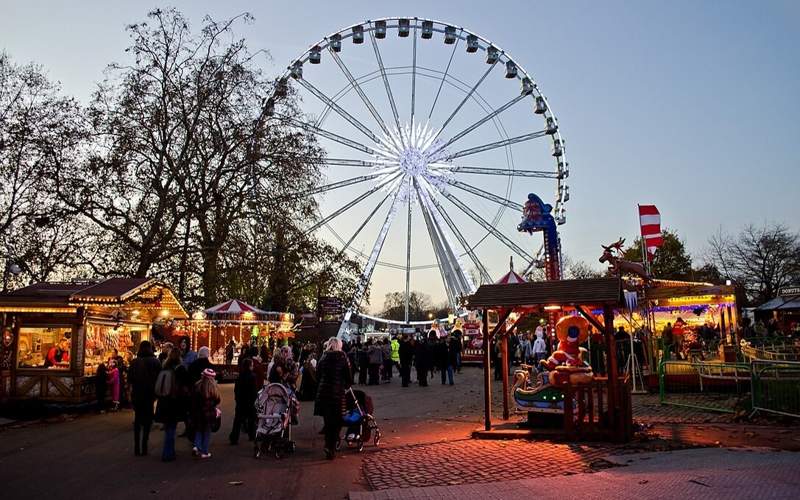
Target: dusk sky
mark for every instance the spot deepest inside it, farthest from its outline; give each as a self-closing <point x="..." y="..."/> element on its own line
<point x="691" y="106"/>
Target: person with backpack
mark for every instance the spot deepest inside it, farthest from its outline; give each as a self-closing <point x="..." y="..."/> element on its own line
<point x="168" y="406"/>
<point x="205" y="399"/>
<point x="142" y="374"/>
<point x="245" y="392"/>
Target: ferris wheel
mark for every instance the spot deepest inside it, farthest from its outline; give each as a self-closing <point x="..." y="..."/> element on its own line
<point x="430" y="147"/>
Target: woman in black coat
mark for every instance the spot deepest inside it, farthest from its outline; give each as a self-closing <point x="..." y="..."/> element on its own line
<point x="245" y="393"/>
<point x="335" y="377"/>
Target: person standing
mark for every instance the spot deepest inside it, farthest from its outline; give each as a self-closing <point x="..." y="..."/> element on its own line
<point x="187" y="354"/>
<point x="142" y="376"/>
<point x="200" y="364"/>
<point x="229" y="352"/>
<point x="168" y="407"/>
<point x="456" y="346"/>
<point x="375" y="355"/>
<point x="386" y="349"/>
<point x="363" y="363"/>
<point x="395" y="353"/>
<point x="245" y="392"/>
<point x="113" y="383"/>
<point x="205" y="399"/>
<point x="440" y="358"/>
<point x="335" y="377"/>
<point x="421" y="359"/>
<point x="101" y="387"/>
<point x="539" y="348"/>
<point x="406" y="355"/>
<point x="452" y="357"/>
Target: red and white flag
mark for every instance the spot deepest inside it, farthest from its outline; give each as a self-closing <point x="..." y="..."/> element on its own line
<point x="650" y="222"/>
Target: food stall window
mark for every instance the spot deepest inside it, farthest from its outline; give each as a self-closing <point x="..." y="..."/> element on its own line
<point x="46" y="347"/>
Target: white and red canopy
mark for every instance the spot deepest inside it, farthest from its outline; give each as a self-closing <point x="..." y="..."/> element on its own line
<point x="650" y="223"/>
<point x="233" y="307"/>
<point x="510" y="278"/>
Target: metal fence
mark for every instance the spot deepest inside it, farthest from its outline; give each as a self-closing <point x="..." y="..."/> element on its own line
<point x="776" y="387"/>
<point x="705" y="385"/>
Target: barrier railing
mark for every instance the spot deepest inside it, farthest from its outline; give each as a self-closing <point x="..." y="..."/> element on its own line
<point x="712" y="386"/>
<point x="776" y="387"/>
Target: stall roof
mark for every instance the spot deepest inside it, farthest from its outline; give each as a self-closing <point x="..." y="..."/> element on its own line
<point x="595" y="291"/>
<point x="780" y="304"/>
<point x="110" y="292"/>
<point x="663" y="289"/>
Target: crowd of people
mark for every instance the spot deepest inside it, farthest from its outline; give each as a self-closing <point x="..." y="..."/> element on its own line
<point x="376" y="360"/>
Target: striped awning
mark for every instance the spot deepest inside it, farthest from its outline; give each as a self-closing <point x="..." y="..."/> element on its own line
<point x="232" y="307"/>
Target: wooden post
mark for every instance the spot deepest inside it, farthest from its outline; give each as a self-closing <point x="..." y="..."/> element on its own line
<point x="613" y="374"/>
<point x="487" y="373"/>
<point x="504" y="362"/>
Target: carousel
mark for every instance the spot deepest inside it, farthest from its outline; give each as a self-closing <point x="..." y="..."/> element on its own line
<point x="237" y="321"/>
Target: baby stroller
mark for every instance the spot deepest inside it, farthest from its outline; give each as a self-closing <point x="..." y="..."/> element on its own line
<point x="359" y="421"/>
<point x="274" y="421"/>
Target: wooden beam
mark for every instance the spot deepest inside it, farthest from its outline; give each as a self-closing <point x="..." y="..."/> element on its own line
<point x="591" y="319"/>
<point x="504" y="356"/>
<point x="613" y="374"/>
<point x="487" y="370"/>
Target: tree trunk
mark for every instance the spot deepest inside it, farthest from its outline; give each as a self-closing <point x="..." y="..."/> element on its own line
<point x="210" y="275"/>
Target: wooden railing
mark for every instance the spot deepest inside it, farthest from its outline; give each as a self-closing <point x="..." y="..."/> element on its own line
<point x="587" y="414"/>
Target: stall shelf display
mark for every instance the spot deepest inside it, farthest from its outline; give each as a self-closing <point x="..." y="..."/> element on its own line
<point x="56" y="334"/>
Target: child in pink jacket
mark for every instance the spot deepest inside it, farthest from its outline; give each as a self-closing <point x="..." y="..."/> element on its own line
<point x="113" y="383"/>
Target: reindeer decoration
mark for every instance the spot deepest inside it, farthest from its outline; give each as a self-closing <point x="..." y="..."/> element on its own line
<point x="620" y="266"/>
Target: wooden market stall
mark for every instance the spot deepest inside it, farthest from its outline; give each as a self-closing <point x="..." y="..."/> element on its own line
<point x="600" y="409"/>
<point x="56" y="334"/>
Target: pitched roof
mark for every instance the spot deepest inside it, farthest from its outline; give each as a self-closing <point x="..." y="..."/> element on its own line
<point x="117" y="289"/>
<point x="510" y="278"/>
<point x="596" y="291"/>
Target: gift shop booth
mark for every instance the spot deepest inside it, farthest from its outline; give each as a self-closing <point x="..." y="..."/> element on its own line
<point x="56" y="334"/>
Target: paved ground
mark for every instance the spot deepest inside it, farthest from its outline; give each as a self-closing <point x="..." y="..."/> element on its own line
<point x="425" y="443"/>
<point x="710" y="473"/>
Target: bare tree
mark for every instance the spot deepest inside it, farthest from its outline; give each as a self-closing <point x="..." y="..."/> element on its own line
<point x="39" y="128"/>
<point x="759" y="259"/>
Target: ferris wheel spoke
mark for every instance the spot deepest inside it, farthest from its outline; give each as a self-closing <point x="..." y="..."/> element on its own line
<point x="304" y="280"/>
<point x="483" y="194"/>
<point x="336" y="185"/>
<point x="453" y="227"/>
<point x="359" y="91"/>
<point x="335" y="137"/>
<point x="385" y="79"/>
<point x="408" y="254"/>
<point x="344" y="114"/>
<point x="460" y="275"/>
<point x="444" y="76"/>
<point x="466" y="98"/>
<point x="463" y="241"/>
<point x="413" y="79"/>
<point x="486" y="225"/>
<point x="495" y="145"/>
<point x="347" y="162"/>
<point x="481" y="121"/>
<point x="353" y="202"/>
<point x="463" y="169"/>
<point x="366" y="275"/>
<point x="438" y="252"/>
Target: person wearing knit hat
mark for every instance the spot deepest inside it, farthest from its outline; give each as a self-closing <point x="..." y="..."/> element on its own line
<point x="205" y="399"/>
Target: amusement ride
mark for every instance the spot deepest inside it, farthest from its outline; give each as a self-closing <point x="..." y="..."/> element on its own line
<point x="420" y="120"/>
